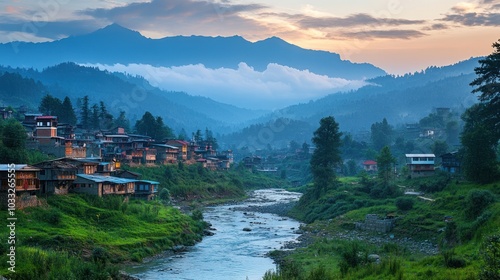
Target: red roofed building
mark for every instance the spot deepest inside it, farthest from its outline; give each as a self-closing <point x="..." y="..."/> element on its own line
<point x="370" y="166"/>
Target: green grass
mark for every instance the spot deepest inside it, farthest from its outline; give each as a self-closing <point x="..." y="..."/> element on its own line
<point x="337" y="211"/>
<point x="77" y="224"/>
<point x="193" y="183"/>
<point x="65" y="233"/>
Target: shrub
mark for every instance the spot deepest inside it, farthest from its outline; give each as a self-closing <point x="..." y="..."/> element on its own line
<point x="490" y="250"/>
<point x="404" y="203"/>
<point x="100" y="256"/>
<point x="164" y="195"/>
<point x="451" y="260"/>
<point x="476" y="201"/>
<point x="197" y="215"/>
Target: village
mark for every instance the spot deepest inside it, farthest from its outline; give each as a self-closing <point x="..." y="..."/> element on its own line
<point x="91" y="162"/>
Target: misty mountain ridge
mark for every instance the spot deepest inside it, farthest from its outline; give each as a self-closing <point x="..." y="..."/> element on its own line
<point x="120" y="92"/>
<point x="400" y="99"/>
<point x="116" y="44"/>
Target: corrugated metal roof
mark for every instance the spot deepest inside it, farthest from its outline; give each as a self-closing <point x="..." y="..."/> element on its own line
<point x="420" y="155"/>
<point x="110" y="179"/>
<point x="165" y="146"/>
<point x="18" y="167"/>
<point x="149" y="182"/>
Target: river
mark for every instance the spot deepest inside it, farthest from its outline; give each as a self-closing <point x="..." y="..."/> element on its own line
<point x="232" y="253"/>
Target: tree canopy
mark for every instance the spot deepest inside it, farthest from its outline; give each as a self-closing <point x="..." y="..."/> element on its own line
<point x="153" y="127"/>
<point x="381" y="134"/>
<point x="326" y="157"/>
<point x="487" y="84"/>
<point x="13" y="137"/>
<point x="385" y="160"/>
<point x="481" y="132"/>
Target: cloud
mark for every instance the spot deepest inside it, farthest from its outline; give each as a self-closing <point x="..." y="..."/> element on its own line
<point x="182" y="16"/>
<point x="384" y="34"/>
<point x="481" y="13"/>
<point x="276" y="87"/>
<point x="474" y="19"/>
<point x="436" y="26"/>
<point x="354" y="20"/>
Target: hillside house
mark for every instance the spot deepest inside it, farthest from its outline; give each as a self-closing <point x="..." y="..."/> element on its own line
<point x="56" y="177"/>
<point x="370" y="166"/>
<point x="103" y="185"/>
<point x="27" y="184"/>
<point x="451" y="162"/>
<point x="84" y="165"/>
<point x="182" y="146"/>
<point x="46" y="129"/>
<point x="166" y="153"/>
<point x="146" y="189"/>
<point x="420" y="164"/>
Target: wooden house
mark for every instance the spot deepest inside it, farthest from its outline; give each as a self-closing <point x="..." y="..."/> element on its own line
<point x="103" y="185"/>
<point x="146" y="189"/>
<point x="166" y="153"/>
<point x="56" y="177"/>
<point x="46" y="129"/>
<point x="25" y="181"/>
<point x="182" y="146"/>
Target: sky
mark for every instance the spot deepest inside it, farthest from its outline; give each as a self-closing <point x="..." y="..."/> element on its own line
<point x="400" y="36"/>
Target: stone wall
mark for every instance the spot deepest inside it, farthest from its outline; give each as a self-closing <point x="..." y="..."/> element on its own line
<point x="373" y="223"/>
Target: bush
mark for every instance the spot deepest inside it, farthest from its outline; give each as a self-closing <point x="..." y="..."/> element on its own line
<point x="100" y="256"/>
<point x="404" y="203"/>
<point x="476" y="201"/>
<point x="451" y="260"/>
<point x="164" y="195"/>
<point x="197" y="215"/>
<point x="490" y="250"/>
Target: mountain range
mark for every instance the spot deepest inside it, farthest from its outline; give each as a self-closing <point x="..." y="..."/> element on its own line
<point x="116" y="44"/>
<point x="399" y="99"/>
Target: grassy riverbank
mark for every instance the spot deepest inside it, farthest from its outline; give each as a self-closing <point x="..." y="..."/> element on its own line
<point x="421" y="245"/>
<point x="87" y="237"/>
<point x="91" y="232"/>
<point x="194" y="184"/>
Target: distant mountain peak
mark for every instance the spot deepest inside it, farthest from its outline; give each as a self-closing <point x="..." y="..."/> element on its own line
<point x="116" y="31"/>
<point x="274" y="40"/>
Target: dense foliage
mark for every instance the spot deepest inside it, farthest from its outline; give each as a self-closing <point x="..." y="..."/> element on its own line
<point x="326" y="157"/>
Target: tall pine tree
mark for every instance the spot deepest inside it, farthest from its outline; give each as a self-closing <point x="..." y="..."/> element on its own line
<point x="326" y="157"/>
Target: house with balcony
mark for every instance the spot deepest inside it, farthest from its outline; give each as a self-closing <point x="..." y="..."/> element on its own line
<point x="84" y="165"/>
<point x="420" y="164"/>
<point x="56" y="177"/>
<point x="26" y="183"/>
<point x="166" y="153"/>
<point x="103" y="185"/>
<point x="182" y="146"/>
